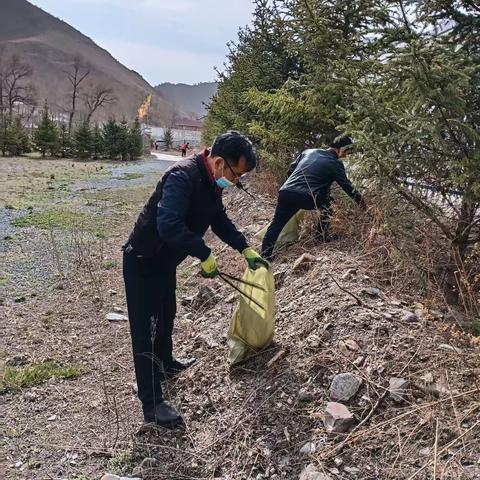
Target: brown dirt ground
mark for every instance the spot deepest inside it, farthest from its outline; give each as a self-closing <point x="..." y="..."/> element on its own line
<point x="246" y="423"/>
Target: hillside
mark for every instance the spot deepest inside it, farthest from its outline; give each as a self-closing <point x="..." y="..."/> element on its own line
<point x="188" y="98"/>
<point x="50" y="46"/>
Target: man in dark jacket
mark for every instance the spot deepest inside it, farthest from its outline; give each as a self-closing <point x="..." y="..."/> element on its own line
<point x="186" y="202"/>
<point x="307" y="187"/>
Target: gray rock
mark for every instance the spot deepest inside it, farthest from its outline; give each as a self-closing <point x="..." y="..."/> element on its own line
<point x="118" y="309"/>
<point x="351" y="470"/>
<point x="116" y="317"/>
<point x="308" y="448"/>
<point x="398" y="389"/>
<point x="372" y="292"/>
<point x="344" y="386"/>
<point x="304" y="262"/>
<point x="410" y="317"/>
<point x="337" y="418"/>
<point x="311" y="472"/>
<point x="472" y="472"/>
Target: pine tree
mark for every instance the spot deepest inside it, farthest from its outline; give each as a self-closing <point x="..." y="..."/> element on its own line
<point x="111" y="133"/>
<point x="46" y="135"/>
<point x="167" y="137"/>
<point x="416" y="116"/>
<point x="97" y="143"/>
<point x="65" y="141"/>
<point x="82" y="141"/>
<point x="123" y="137"/>
<point x="135" y="140"/>
<point x="16" y="140"/>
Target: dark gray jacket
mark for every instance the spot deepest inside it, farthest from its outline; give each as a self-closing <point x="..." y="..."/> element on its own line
<point x="313" y="173"/>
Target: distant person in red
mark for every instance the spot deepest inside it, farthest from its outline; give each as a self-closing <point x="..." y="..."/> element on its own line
<point x="185" y="147"/>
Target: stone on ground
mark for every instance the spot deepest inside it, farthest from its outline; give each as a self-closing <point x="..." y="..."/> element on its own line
<point x="337" y="418"/>
<point x="344" y="386"/>
<point x="311" y="472"/>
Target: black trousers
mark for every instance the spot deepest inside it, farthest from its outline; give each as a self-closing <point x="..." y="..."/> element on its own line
<point x="150" y="290"/>
<point x="289" y="203"/>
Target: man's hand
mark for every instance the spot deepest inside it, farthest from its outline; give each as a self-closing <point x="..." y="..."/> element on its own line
<point x="209" y="267"/>
<point x="254" y="259"/>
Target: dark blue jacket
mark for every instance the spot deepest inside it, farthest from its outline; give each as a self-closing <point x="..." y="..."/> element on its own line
<point x="313" y="173"/>
<point x="185" y="203"/>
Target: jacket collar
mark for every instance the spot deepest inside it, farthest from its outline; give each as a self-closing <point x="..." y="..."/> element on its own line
<point x="205" y="171"/>
<point x="332" y="153"/>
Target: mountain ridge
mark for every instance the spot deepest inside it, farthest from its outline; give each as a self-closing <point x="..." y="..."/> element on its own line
<point x="50" y="45"/>
<point x="188" y="98"/>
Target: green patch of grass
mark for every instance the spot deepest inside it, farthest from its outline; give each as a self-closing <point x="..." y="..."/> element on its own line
<point x="15" y="378"/>
<point x="60" y="219"/>
<point x="122" y="464"/>
<point x="109" y="264"/>
<point x="9" y="237"/>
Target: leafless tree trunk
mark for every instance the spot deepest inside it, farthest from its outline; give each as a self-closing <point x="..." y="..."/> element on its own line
<point x="14" y="88"/>
<point x="78" y="72"/>
<point x="98" y="98"/>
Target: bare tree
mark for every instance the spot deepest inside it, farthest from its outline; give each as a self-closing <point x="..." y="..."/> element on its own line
<point x="14" y="86"/>
<point x="76" y="74"/>
<point x="98" y="98"/>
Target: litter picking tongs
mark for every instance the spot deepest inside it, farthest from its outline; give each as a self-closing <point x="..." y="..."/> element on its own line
<point x="230" y="279"/>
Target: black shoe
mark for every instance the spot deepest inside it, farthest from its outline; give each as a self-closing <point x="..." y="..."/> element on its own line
<point x="175" y="367"/>
<point x="164" y="415"/>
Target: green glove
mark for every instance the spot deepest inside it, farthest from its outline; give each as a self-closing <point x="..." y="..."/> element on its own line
<point x="209" y="267"/>
<point x="254" y="259"/>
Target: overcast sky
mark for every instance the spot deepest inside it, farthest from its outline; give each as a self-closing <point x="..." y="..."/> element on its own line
<point x="163" y="40"/>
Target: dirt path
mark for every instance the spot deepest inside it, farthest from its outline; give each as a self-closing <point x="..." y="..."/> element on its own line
<point x="249" y="423"/>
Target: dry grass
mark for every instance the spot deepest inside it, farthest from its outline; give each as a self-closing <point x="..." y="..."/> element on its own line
<point x="248" y="422"/>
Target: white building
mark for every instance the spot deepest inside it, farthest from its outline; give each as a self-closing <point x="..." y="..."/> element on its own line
<point x="184" y="131"/>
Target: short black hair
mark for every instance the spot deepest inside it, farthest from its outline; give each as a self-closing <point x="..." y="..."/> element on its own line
<point x="232" y="145"/>
<point x="342" y="142"/>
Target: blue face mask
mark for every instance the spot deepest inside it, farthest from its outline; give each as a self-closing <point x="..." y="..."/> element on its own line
<point x="223" y="182"/>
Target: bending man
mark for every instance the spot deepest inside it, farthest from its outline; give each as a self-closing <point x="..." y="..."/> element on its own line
<point x="186" y="201"/>
<point x="307" y="187"/>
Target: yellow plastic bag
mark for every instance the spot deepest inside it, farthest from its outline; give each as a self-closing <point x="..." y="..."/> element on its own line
<point x="290" y="232"/>
<point x="252" y="327"/>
